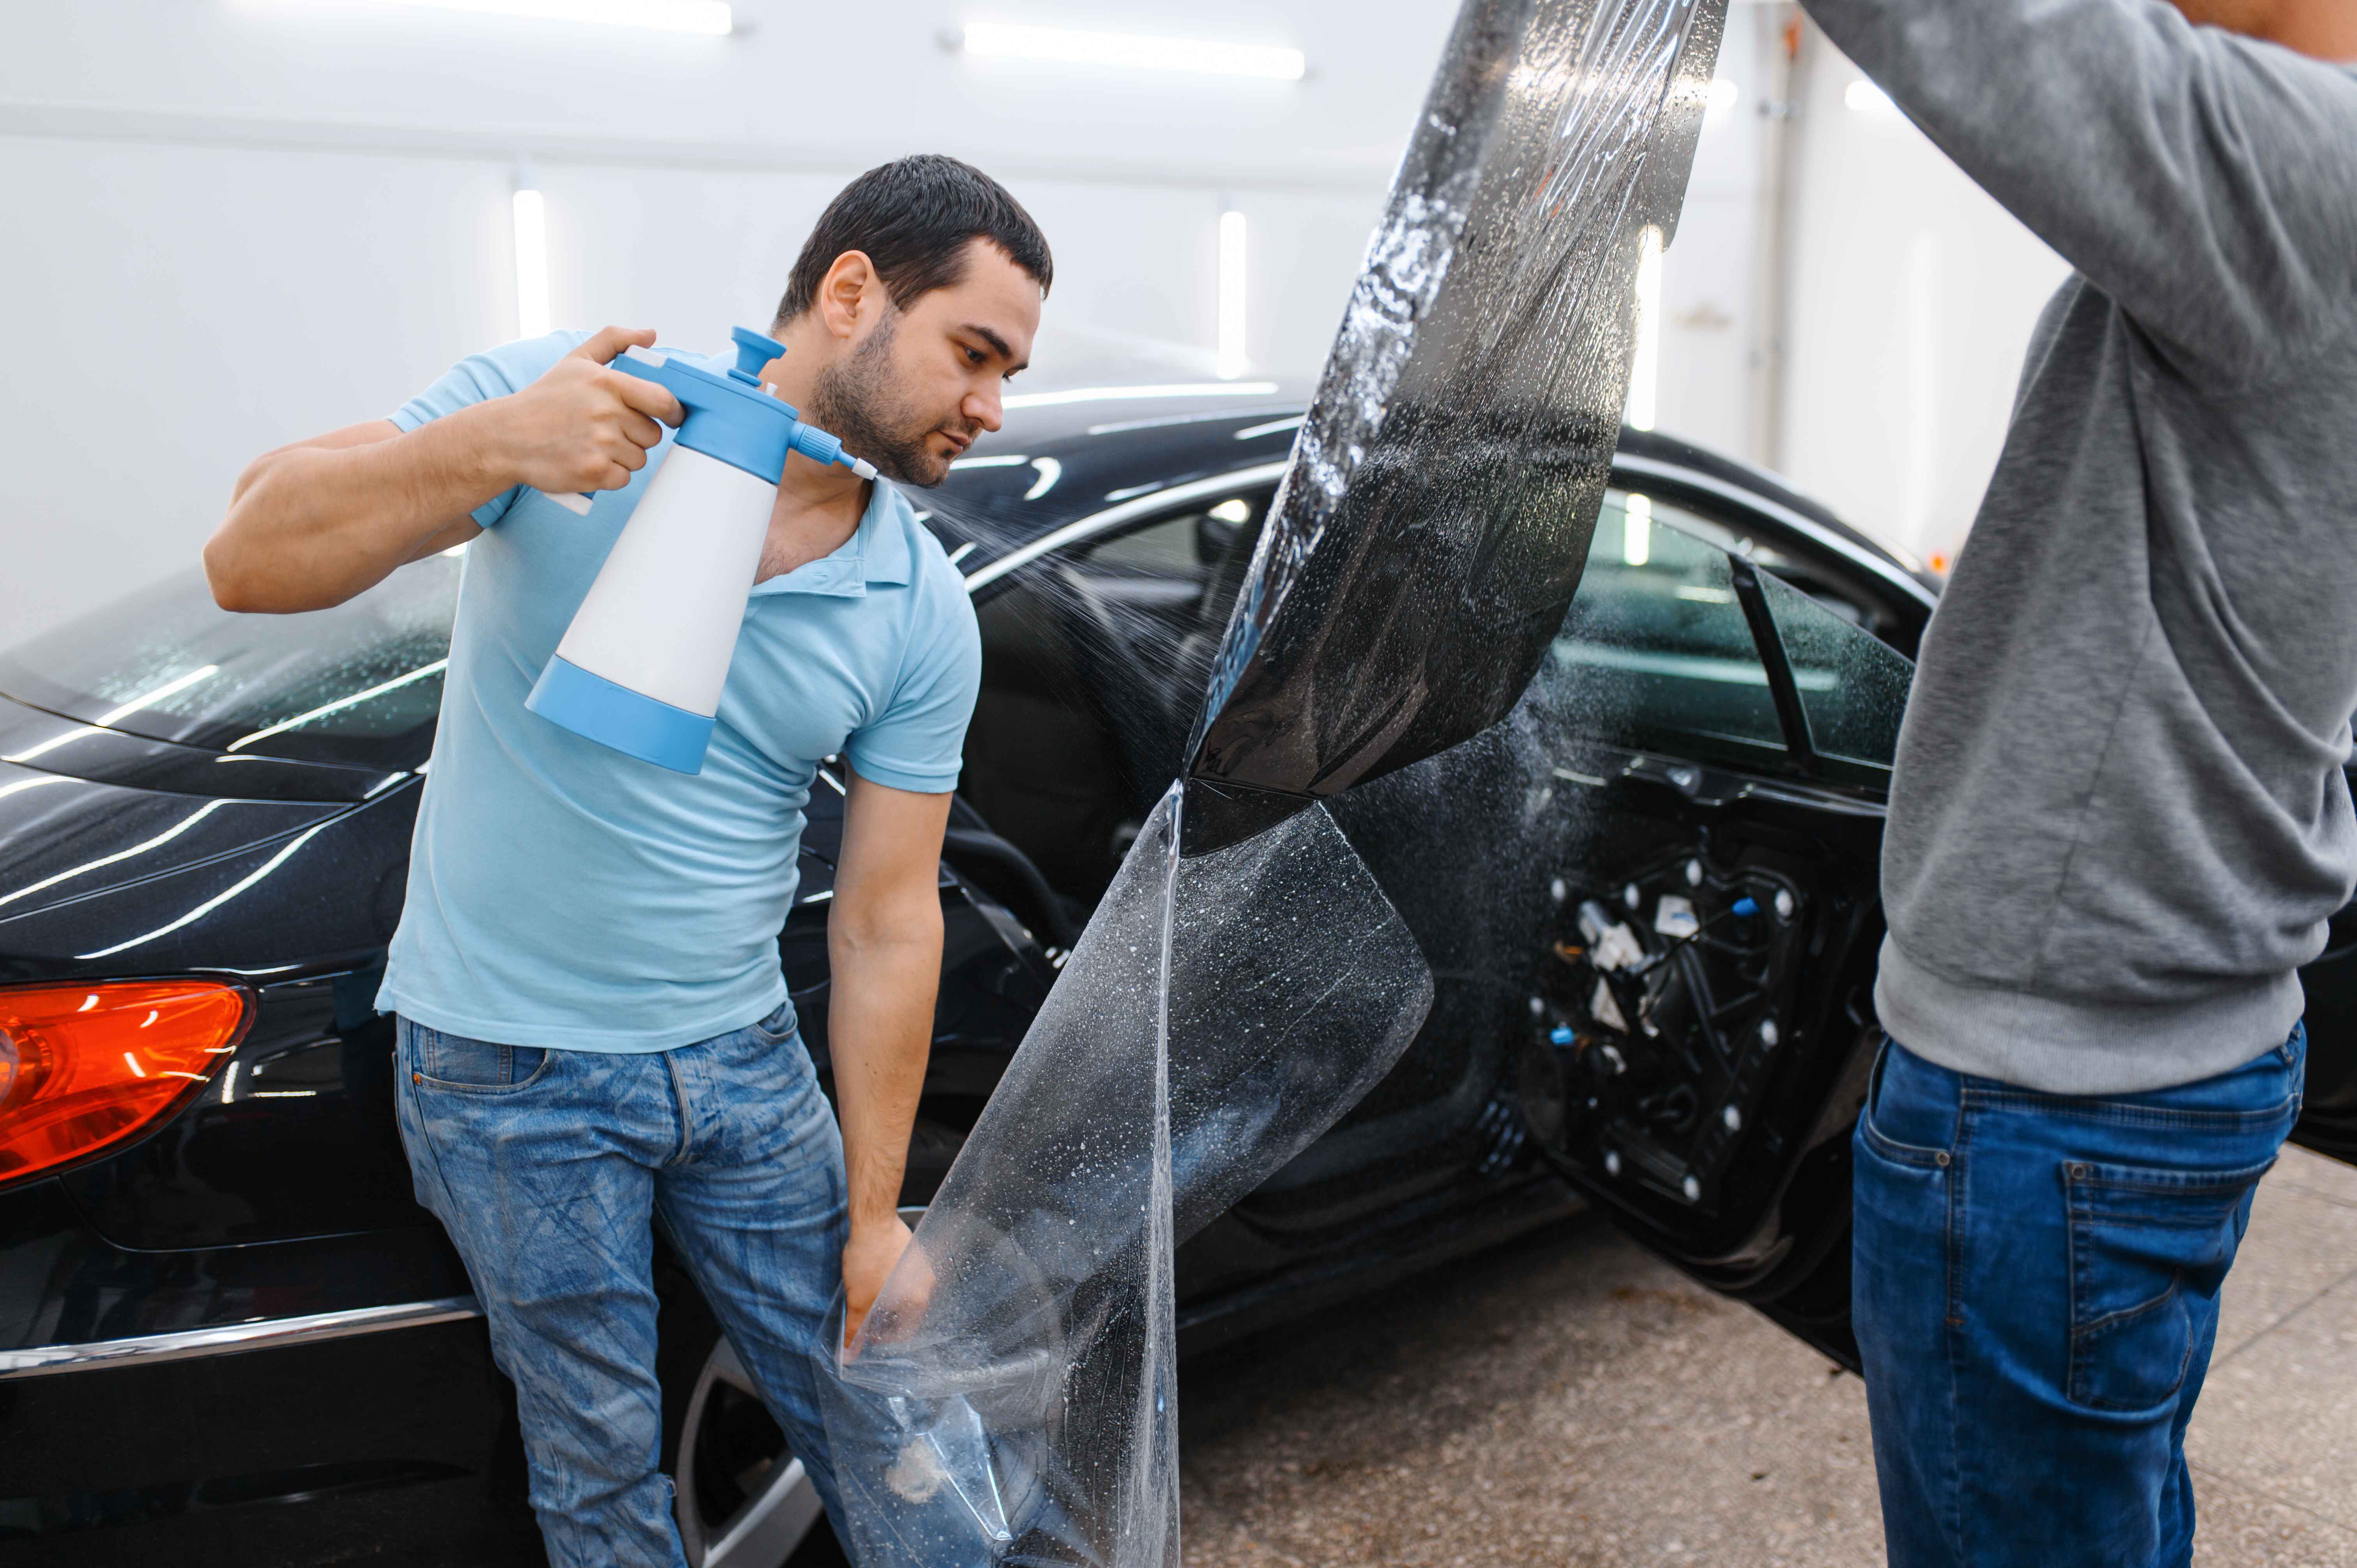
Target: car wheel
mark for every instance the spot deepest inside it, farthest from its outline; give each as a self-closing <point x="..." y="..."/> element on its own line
<point x="742" y="1498"/>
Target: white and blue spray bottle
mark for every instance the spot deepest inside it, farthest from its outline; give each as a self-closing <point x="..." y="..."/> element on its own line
<point x="640" y="668"/>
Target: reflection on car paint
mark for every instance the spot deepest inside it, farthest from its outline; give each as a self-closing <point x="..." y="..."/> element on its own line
<point x="339" y="705"/>
<point x="217" y="900"/>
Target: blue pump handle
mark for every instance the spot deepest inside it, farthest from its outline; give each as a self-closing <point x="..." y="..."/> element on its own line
<point x="731" y="417"/>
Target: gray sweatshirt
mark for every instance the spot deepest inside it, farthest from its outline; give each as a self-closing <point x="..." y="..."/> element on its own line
<point x="2118" y="823"/>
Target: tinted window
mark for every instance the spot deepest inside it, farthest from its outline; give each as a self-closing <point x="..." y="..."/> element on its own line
<point x="360" y="682"/>
<point x="1186" y="546"/>
<point x="1655" y="652"/>
<point x="1853" y="688"/>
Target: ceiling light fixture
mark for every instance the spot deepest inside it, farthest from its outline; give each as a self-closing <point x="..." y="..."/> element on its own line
<point x="1862" y="97"/>
<point x="530" y="214"/>
<point x="1067" y="46"/>
<point x="1108" y="395"/>
<point x="710" y="18"/>
<point x="1233" y="360"/>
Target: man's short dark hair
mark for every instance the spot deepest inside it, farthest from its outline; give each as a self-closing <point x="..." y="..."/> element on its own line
<point x="913" y="218"/>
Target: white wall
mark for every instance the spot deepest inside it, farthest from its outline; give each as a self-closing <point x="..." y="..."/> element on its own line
<point x="1911" y="296"/>
<point x="236" y="223"/>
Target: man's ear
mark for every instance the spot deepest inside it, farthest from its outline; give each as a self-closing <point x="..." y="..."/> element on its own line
<point x="850" y="296"/>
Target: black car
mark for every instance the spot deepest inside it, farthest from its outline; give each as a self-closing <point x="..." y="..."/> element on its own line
<point x="227" y="1331"/>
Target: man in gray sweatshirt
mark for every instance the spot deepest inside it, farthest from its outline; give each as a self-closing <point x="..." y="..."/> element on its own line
<point x="2118" y="823"/>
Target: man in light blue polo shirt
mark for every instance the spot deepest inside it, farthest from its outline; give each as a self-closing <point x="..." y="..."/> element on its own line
<point x="594" y="1031"/>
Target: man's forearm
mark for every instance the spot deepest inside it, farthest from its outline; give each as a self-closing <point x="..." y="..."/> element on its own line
<point x="879" y="1032"/>
<point x="312" y="525"/>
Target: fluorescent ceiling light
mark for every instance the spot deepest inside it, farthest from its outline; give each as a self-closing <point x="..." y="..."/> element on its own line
<point x="1721" y="100"/>
<point x="1175" y="389"/>
<point x="1232" y="361"/>
<point x="710" y="18"/>
<point x="1863" y="97"/>
<point x="1066" y="46"/>
<point x="530" y="263"/>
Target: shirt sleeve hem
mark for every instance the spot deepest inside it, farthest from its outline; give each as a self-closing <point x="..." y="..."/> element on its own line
<point x="927" y="783"/>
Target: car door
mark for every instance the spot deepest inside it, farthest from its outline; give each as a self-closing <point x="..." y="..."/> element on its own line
<point x="2328" y="1123"/>
<point x="1700" y="1020"/>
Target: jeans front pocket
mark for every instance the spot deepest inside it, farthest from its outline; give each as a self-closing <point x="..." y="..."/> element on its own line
<point x="1910" y="1115"/>
<point x="477" y="1066"/>
<point x="2142" y="1239"/>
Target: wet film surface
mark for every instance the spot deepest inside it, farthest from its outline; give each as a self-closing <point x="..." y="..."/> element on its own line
<point x="1437" y="516"/>
<point x="1012" y="1398"/>
<point x="1245" y="981"/>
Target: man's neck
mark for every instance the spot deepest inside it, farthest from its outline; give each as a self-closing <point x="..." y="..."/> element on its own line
<point x="819" y="504"/>
<point x="816" y="511"/>
<point x="2321" y="29"/>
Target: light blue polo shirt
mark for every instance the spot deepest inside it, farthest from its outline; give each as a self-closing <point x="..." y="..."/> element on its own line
<point x="563" y="894"/>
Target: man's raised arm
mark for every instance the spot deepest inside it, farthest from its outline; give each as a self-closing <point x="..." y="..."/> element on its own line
<point x="2204" y="181"/>
<point x="312" y="524"/>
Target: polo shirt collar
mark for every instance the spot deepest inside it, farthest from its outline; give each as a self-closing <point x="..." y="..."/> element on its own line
<point x="876" y="552"/>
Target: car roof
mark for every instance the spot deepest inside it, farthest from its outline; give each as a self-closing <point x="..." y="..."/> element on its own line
<point x="1065" y="455"/>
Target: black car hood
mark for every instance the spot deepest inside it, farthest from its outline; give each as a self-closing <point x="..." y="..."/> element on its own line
<point x="84" y="810"/>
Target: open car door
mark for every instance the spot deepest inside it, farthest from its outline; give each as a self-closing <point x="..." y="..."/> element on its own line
<point x="1718" y="749"/>
<point x="2329" y="1123"/>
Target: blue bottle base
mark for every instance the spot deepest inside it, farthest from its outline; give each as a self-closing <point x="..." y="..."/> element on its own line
<point x="631" y="722"/>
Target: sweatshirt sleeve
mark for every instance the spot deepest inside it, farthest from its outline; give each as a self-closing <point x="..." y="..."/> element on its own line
<point x="2205" y="182"/>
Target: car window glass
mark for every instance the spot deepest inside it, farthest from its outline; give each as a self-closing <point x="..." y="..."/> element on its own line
<point x="1853" y="688"/>
<point x="1165" y="549"/>
<point x="360" y="682"/>
<point x="1186" y="544"/>
<point x="1655" y="652"/>
<point x="1809" y="576"/>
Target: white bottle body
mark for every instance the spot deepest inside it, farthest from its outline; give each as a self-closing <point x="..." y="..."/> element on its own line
<point x="662" y="616"/>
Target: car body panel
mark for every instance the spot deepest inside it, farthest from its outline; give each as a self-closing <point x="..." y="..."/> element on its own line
<point x="244" y="1213"/>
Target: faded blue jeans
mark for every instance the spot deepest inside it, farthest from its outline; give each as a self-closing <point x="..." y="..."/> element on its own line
<point x="2035" y="1291"/>
<point x="550" y="1168"/>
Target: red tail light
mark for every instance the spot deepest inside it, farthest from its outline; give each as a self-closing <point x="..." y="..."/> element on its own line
<point x="83" y="1066"/>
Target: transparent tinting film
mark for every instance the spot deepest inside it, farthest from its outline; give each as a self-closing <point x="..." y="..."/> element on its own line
<point x="1436" y="518"/>
<point x="1012" y="1397"/>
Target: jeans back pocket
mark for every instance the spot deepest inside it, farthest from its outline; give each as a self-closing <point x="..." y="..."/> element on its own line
<point x="2142" y="1239"/>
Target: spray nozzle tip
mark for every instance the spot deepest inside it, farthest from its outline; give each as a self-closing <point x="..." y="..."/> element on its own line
<point x="861" y="467"/>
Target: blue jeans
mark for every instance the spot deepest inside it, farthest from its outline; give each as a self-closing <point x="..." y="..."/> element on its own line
<point x="2035" y="1292"/>
<point x="550" y="1168"/>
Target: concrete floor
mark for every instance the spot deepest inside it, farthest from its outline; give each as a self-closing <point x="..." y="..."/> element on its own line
<point x="1570" y="1401"/>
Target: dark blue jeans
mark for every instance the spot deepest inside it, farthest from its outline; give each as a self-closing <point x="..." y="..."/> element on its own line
<point x="2036" y="1295"/>
<point x="549" y="1168"/>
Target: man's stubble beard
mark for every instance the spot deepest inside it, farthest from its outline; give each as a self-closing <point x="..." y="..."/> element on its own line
<point x="856" y="401"/>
